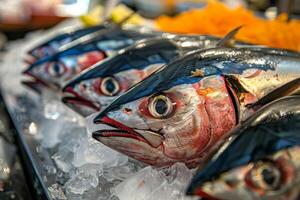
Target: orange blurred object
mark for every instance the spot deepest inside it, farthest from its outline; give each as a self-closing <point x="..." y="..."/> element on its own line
<point x="217" y="19"/>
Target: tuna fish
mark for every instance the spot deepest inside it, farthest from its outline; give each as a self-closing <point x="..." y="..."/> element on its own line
<point x="260" y="159"/>
<point x="180" y="112"/>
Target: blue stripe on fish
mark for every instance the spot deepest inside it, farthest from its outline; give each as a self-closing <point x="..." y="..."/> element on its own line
<point x="69" y="35"/>
<point x="221" y="61"/>
<point x="137" y="56"/>
<point x="121" y="38"/>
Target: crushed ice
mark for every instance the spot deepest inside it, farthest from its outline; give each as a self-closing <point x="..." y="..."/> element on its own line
<point x="85" y="169"/>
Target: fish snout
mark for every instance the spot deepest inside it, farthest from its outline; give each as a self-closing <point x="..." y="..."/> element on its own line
<point x="78" y="102"/>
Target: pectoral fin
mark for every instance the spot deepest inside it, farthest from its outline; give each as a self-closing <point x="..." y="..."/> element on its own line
<point x="285" y="90"/>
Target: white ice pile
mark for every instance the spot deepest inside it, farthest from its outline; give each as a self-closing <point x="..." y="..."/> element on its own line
<point x="153" y="184"/>
<point x="91" y="170"/>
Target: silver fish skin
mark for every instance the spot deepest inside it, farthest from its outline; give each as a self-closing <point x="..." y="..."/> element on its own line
<point x="180" y="112"/>
<point x="55" y="69"/>
<point x="86" y="93"/>
<point x="266" y="164"/>
<point x="65" y="36"/>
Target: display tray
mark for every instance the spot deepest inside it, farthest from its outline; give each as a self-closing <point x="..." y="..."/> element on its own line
<point x="31" y="159"/>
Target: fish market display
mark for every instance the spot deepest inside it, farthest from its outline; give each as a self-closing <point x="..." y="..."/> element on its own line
<point x="54" y="70"/>
<point x="260" y="160"/>
<point x="162" y="115"/>
<point x="179" y="112"/>
<point x="95" y="89"/>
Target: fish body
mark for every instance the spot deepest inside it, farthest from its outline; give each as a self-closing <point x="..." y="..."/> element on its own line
<point x="54" y="70"/>
<point x="180" y="112"/>
<point x="260" y="160"/>
<point x="52" y="45"/>
<point x="89" y="92"/>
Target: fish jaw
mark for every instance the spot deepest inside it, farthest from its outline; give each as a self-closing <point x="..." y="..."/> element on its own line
<point x="142" y="145"/>
<point x="78" y="103"/>
<point x="39" y="82"/>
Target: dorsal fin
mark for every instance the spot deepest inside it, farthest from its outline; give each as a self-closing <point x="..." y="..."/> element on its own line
<point x="228" y="40"/>
<point x="90" y="37"/>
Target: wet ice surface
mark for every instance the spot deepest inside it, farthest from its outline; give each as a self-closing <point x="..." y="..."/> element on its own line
<point x="72" y="164"/>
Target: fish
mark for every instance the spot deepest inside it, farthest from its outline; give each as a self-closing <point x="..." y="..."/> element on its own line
<point x="94" y="89"/>
<point x="51" y="46"/>
<point x="260" y="159"/>
<point x="87" y="93"/>
<point x="70" y="37"/>
<point x="54" y="70"/>
<point x="178" y="113"/>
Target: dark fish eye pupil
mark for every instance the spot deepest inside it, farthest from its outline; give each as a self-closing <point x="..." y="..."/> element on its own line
<point x="269" y="176"/>
<point x="57" y="68"/>
<point x="110" y="86"/>
<point x="161" y="106"/>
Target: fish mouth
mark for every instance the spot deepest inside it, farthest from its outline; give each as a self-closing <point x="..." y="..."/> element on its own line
<point x="73" y="98"/>
<point x="33" y="84"/>
<point x="40" y="81"/>
<point x="29" y="59"/>
<point x="117" y="129"/>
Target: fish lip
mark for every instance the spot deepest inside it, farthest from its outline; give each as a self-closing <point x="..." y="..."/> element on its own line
<point x="119" y="130"/>
<point x="203" y="194"/>
<point x="53" y="86"/>
<point x="76" y="99"/>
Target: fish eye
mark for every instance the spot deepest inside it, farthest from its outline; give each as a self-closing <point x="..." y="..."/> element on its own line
<point x="160" y="106"/>
<point x="109" y="86"/>
<point x="56" y="69"/>
<point x="265" y="176"/>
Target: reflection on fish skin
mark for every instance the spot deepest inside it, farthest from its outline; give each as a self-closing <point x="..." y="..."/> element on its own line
<point x="192" y="111"/>
<point x="105" y="81"/>
<point x="261" y="161"/>
<point x="61" y="66"/>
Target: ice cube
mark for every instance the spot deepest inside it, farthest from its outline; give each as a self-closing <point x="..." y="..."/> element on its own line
<point x="84" y="178"/>
<point x="141" y="185"/>
<point x="91" y="151"/>
<point x="63" y="160"/>
<point x="70" y="142"/>
<point x="101" y="192"/>
<point x="121" y="172"/>
<point x="154" y="184"/>
<point x="53" y="110"/>
<point x="56" y="192"/>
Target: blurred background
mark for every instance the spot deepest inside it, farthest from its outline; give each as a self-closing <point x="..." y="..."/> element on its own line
<point x="19" y="16"/>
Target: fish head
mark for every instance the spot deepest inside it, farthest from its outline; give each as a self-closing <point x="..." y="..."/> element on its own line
<point x="54" y="71"/>
<point x="94" y="89"/>
<point x="260" y="162"/>
<point x="273" y="177"/>
<point x="171" y="116"/>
